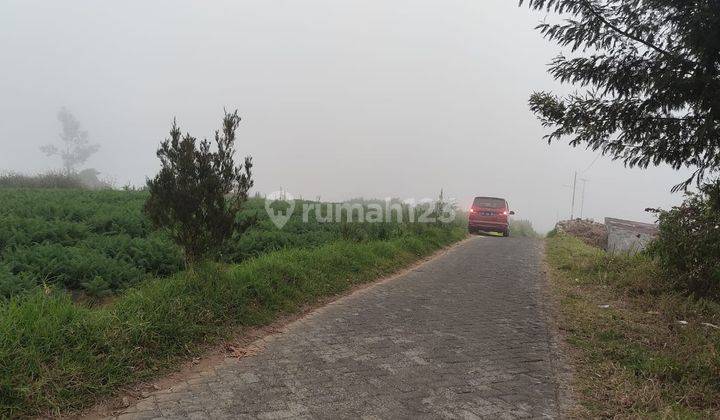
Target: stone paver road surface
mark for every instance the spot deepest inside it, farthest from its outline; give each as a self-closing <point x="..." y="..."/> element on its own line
<point x="461" y="336"/>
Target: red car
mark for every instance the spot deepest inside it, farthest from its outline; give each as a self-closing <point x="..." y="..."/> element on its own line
<point x="489" y="214"/>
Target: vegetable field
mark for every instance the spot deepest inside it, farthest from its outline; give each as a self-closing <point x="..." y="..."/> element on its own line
<point x="94" y="242"/>
<point x="98" y="243"/>
<point x="64" y="249"/>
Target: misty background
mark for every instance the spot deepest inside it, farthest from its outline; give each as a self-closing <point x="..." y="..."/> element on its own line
<point x="339" y="99"/>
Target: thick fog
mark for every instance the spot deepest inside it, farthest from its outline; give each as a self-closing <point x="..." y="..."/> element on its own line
<point x="339" y="99"/>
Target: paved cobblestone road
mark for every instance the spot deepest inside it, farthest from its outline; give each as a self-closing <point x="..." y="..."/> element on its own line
<point x="461" y="336"/>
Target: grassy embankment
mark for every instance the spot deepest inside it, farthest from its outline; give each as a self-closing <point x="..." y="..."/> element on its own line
<point x="60" y="354"/>
<point x="639" y="348"/>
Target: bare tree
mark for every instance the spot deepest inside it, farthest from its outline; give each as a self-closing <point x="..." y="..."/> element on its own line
<point x="75" y="148"/>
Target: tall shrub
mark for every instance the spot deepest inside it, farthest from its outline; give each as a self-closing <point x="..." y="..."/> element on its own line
<point x="198" y="192"/>
<point x="688" y="245"/>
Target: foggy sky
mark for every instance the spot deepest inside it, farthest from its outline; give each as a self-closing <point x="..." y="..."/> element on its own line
<point x="338" y="98"/>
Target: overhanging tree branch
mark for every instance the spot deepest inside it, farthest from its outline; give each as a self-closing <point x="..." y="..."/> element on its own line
<point x="629" y="35"/>
<point x="651" y="81"/>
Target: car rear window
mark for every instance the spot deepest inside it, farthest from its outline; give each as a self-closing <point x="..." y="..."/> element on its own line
<point x="489" y="203"/>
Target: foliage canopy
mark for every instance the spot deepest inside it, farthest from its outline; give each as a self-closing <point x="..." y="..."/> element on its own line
<point x="650" y="70"/>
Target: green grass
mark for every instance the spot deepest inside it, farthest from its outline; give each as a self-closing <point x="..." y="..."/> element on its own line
<point x="634" y="359"/>
<point x="58" y="356"/>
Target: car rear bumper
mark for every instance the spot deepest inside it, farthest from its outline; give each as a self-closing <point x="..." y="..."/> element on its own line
<point x="487" y="225"/>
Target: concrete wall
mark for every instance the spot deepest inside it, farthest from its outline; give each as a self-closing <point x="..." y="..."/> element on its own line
<point x="628" y="236"/>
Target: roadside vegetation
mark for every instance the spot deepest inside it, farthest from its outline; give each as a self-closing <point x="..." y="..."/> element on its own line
<point x="641" y="345"/>
<point x="522" y="228"/>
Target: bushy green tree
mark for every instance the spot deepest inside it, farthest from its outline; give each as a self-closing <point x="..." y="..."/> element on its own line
<point x="198" y="192"/>
<point x="650" y="77"/>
